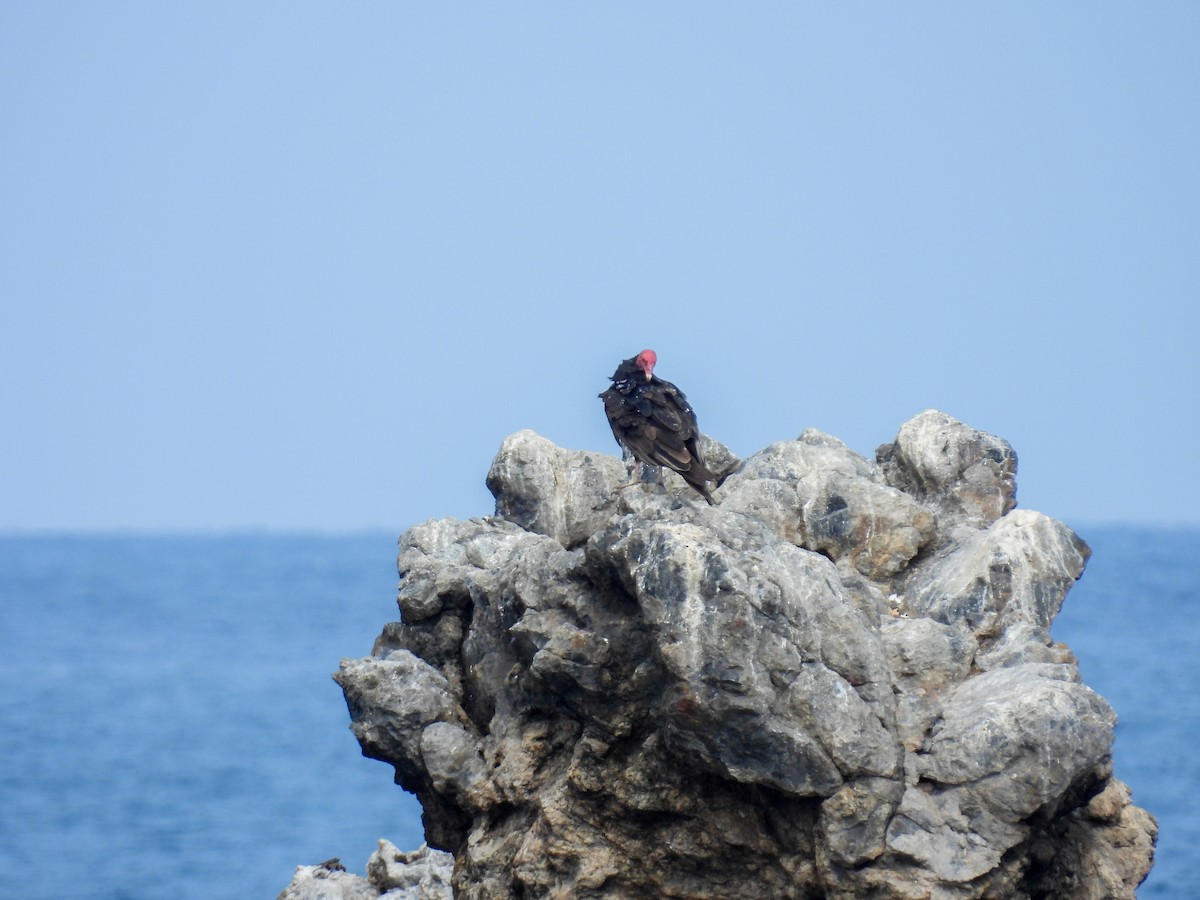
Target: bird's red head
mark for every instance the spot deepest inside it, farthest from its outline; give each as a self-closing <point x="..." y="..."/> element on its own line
<point x="645" y="361"/>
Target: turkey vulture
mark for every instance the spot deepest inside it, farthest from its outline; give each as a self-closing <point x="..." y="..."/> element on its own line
<point x="653" y="420"/>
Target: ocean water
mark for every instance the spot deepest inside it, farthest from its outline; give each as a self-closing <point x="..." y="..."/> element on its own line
<point x="168" y="727"/>
<point x="1133" y="620"/>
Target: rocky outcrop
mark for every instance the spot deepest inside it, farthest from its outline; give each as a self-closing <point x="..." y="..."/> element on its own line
<point x="392" y="874"/>
<point x="838" y="682"/>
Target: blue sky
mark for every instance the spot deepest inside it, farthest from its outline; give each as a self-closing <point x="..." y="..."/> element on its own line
<point x="297" y="265"/>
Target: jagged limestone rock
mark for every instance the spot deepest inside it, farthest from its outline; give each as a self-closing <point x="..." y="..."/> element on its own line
<point x="569" y="494"/>
<point x="1097" y="850"/>
<point x="328" y="881"/>
<point x="838" y="682"/>
<point x="966" y="473"/>
<point x="819" y="494"/>
<point x="1017" y="570"/>
<point x="758" y="663"/>
<point x="565" y="494"/>
<point x="926" y="659"/>
<point x="1010" y="742"/>
<point x="423" y="874"/>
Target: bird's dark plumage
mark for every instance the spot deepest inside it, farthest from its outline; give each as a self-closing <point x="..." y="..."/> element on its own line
<point x="654" y="421"/>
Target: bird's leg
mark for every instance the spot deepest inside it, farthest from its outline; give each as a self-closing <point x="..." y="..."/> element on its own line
<point x="634" y="469"/>
<point x="631" y="468"/>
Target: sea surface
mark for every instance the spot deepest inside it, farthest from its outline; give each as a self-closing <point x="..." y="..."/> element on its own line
<point x="168" y="726"/>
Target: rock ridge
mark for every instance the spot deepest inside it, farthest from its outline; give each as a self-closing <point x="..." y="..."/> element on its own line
<point x="838" y="682"/>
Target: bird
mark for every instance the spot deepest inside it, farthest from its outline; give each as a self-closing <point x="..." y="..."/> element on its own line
<point x="653" y="420"/>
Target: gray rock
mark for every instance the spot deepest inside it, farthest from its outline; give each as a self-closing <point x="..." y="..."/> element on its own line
<point x="927" y="659"/>
<point x="1021" y="736"/>
<point x="719" y="459"/>
<point x="854" y="819"/>
<point x="570" y="494"/>
<point x="969" y="474"/>
<point x="451" y="755"/>
<point x="422" y="874"/>
<point x="1016" y="572"/>
<point x="818" y="494"/>
<point x="413" y="693"/>
<point x="1098" y="851"/>
<point x="565" y="494"/>
<point x="392" y="701"/>
<point x="753" y="643"/>
<point x="837" y="682"/>
<point x="950" y="835"/>
<point x="1010" y="742"/>
<point x="392" y="874"/>
<point x="328" y="881"/>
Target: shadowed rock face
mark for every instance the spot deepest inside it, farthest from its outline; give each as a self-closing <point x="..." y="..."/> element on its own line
<point x="838" y="682"/>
